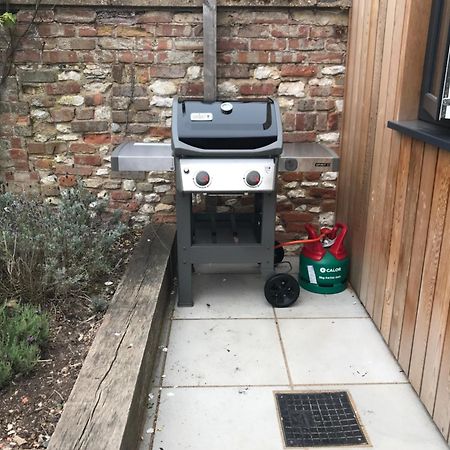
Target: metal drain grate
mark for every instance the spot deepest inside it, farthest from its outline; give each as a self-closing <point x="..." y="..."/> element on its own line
<point x="319" y="419"/>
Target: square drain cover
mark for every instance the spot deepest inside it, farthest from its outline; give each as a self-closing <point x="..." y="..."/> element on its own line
<point x="319" y="419"/>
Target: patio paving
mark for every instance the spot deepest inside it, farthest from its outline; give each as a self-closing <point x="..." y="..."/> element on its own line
<point x="223" y="359"/>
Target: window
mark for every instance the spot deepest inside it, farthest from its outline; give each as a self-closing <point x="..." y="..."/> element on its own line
<point x="435" y="98"/>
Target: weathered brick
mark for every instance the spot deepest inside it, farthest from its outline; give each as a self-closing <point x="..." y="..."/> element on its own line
<point x="255" y="57"/>
<point x="292" y="176"/>
<point x="320" y="91"/>
<point x="47" y="148"/>
<point x="326" y="57"/>
<point x="58" y="57"/>
<point x="18" y="154"/>
<point x="121" y="195"/>
<point x="155" y="44"/>
<point x="38" y="76"/>
<point x="55" y="29"/>
<point x="88" y="160"/>
<point x="43" y="163"/>
<point x="231" y="43"/>
<point x="138" y="57"/>
<point x="173" y="30"/>
<point x="27" y="56"/>
<point x="97" y="139"/>
<point x="67" y="180"/>
<point x="233" y="71"/>
<point x="189" y="44"/>
<point x="42" y="15"/>
<point x="131" y="31"/>
<point x="89" y="126"/>
<point x="75" y="15"/>
<point x="191" y="89"/>
<point x="156" y="17"/>
<point x="322" y="193"/>
<point x="267" y="44"/>
<point x="116" y="43"/>
<point x="87" y="31"/>
<point x="84" y="113"/>
<point x="76" y="43"/>
<point x="299" y="136"/>
<point x="66" y="169"/>
<point x="160" y="71"/>
<point x="325" y="104"/>
<point x="296" y="70"/>
<point x="63" y="88"/>
<point x="297" y="31"/>
<point x="62" y="114"/>
<point x="305" y="121"/>
<point x="94" y="100"/>
<point x="78" y="147"/>
<point x="258" y="89"/>
<point x="295" y="227"/>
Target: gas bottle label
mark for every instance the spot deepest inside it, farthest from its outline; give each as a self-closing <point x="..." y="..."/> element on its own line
<point x="330" y="270"/>
<point x="312" y="275"/>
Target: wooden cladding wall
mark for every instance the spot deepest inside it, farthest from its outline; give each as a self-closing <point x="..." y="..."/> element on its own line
<point x="394" y="195"/>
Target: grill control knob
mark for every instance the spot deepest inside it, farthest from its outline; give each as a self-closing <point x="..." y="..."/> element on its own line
<point x="253" y="178"/>
<point x="202" y="178"/>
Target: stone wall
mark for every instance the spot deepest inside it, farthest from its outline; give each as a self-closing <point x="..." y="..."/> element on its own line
<point x="86" y="79"/>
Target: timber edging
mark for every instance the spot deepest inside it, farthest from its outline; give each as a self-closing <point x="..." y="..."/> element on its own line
<point x="105" y="408"/>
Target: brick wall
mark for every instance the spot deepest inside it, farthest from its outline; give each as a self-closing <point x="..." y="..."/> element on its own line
<point x="86" y="79"/>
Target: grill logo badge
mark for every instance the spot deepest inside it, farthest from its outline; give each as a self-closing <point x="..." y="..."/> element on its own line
<point x="201" y="117"/>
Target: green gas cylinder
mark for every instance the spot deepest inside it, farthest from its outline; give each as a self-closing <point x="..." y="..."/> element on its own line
<point x="324" y="269"/>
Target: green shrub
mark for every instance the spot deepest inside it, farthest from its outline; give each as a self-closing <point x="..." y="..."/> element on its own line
<point x="23" y="332"/>
<point x="54" y="252"/>
<point x="5" y="370"/>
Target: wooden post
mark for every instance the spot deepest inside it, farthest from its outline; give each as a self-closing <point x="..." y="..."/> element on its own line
<point x="210" y="50"/>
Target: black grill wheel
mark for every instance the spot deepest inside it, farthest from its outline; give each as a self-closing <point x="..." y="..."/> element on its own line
<point x="281" y="290"/>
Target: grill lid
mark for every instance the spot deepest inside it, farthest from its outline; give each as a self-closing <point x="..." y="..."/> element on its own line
<point x="239" y="128"/>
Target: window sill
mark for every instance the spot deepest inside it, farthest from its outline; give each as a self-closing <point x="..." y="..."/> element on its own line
<point x="423" y="131"/>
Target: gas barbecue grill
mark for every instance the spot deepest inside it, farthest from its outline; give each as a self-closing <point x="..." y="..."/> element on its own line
<point x="220" y="149"/>
<point x="225" y="148"/>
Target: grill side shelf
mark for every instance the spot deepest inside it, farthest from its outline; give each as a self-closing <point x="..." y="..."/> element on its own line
<point x="308" y="157"/>
<point x="142" y="157"/>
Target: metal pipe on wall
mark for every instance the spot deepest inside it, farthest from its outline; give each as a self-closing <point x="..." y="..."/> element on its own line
<point x="209" y="50"/>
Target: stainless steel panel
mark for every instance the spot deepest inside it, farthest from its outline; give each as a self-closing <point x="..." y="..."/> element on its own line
<point x="308" y="157"/>
<point x="226" y="175"/>
<point x="142" y="157"/>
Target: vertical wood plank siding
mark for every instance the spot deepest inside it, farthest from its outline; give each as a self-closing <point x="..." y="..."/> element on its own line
<point x="394" y="195"/>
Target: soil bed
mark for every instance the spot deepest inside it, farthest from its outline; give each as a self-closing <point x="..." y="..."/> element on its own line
<point x="30" y="407"/>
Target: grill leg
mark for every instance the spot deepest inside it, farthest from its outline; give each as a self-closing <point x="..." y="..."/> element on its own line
<point x="184" y="242"/>
<point x="268" y="233"/>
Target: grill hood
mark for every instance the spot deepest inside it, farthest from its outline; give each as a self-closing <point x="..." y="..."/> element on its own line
<point x="223" y="129"/>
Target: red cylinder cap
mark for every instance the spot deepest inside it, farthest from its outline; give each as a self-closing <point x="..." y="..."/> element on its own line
<point x="338" y="249"/>
<point x="314" y="250"/>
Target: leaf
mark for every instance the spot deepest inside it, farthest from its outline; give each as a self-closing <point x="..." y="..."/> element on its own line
<point x="8" y="19"/>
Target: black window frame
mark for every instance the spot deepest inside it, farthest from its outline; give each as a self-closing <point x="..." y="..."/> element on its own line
<point x="430" y="105"/>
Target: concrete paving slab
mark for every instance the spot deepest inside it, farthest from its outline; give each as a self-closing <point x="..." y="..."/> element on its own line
<point x="310" y="305"/>
<point x="326" y="351"/>
<point x="224" y="352"/>
<point x="224" y="296"/>
<point x="233" y="418"/>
